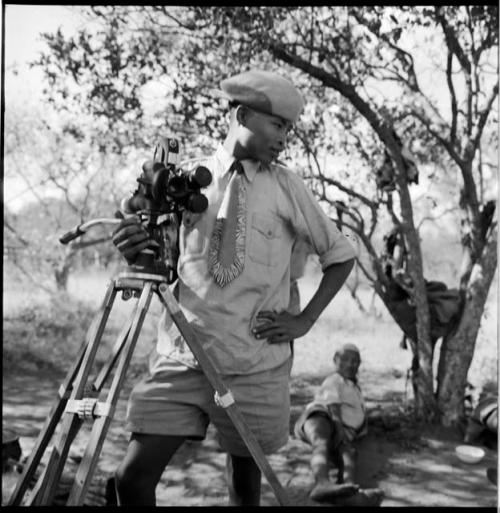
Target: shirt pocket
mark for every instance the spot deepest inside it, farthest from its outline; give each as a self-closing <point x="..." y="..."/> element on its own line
<point x="193" y="234"/>
<point x="265" y="239"/>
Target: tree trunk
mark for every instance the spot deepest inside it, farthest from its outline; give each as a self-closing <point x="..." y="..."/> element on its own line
<point x="425" y="402"/>
<point x="61" y="275"/>
<point x="61" y="272"/>
<point x="353" y="285"/>
<point x="426" y="407"/>
<point x="457" y="349"/>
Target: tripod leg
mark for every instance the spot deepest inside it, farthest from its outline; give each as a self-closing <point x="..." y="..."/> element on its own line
<point x="106" y="370"/>
<point x="55" y="416"/>
<point x="51" y="465"/>
<point x="224" y="395"/>
<point x="71" y="422"/>
<point x="46" y="432"/>
<point x="101" y="425"/>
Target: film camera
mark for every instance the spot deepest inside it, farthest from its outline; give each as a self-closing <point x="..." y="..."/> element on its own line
<point x="163" y="193"/>
<point x="165" y="188"/>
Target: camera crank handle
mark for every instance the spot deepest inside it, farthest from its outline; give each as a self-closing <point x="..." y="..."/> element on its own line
<point x="71" y="235"/>
<point x="82" y="228"/>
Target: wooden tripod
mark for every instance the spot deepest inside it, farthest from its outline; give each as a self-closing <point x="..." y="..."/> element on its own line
<point x="78" y="401"/>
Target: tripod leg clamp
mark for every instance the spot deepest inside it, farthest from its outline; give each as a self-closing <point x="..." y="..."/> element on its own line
<point x="64" y="392"/>
<point x="89" y="408"/>
<point x="225" y="400"/>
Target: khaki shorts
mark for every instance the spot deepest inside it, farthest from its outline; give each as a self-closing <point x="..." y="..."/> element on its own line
<point x="178" y="400"/>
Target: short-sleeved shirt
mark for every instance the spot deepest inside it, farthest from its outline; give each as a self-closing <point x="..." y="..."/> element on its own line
<point x="279" y="210"/>
<point x="336" y="389"/>
<point x="300" y="251"/>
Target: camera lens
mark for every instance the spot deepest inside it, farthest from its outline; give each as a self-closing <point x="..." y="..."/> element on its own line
<point x="200" y="177"/>
<point x="196" y="203"/>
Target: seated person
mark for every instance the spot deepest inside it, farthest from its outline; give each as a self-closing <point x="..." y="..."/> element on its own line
<point x="331" y="424"/>
<point x="482" y="424"/>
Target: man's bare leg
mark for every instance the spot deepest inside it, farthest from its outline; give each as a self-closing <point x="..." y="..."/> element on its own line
<point x="320" y="431"/>
<point x="363" y="497"/>
<point x="243" y="481"/>
<point x="140" y="471"/>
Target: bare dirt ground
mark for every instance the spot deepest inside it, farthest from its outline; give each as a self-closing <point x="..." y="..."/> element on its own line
<point x="414" y="466"/>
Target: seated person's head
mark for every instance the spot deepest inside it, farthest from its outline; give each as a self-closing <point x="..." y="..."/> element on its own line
<point x="347" y="360"/>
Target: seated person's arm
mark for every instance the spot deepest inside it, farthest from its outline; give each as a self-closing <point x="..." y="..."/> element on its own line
<point x="334" y="409"/>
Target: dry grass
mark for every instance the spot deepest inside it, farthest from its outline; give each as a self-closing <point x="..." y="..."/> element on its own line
<point x="377" y="336"/>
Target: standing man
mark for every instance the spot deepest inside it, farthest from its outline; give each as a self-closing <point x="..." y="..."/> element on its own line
<point x="234" y="288"/>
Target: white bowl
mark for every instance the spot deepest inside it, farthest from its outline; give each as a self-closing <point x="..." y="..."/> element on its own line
<point x="469" y="453"/>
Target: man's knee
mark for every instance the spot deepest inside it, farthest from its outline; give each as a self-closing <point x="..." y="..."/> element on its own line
<point x="317" y="428"/>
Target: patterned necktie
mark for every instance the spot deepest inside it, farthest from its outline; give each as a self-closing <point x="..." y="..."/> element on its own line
<point x="227" y="245"/>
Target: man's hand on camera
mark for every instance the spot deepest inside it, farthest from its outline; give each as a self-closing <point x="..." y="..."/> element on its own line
<point x="131" y="238"/>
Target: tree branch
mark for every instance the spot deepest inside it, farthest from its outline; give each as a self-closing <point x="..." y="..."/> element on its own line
<point x="481" y="122"/>
<point x="23" y="241"/>
<point x="405" y="57"/>
<point x="279" y="51"/>
<point x="433" y="218"/>
<point x="454" y="46"/>
<point x="66" y="193"/>
<point x="438" y="135"/>
<point x="32" y="279"/>
<point x="449" y="79"/>
<point x="331" y="181"/>
<point x="451" y="39"/>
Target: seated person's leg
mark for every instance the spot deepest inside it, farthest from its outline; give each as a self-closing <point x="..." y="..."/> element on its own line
<point x="337" y="461"/>
<point x="340" y="452"/>
<point x="321" y="433"/>
<point x="318" y="430"/>
<point x="349" y="460"/>
<point x="363" y="497"/>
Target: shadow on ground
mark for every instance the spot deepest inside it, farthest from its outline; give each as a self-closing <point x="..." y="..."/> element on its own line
<point x="415" y="466"/>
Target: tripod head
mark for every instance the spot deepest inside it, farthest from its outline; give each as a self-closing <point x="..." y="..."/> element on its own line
<point x="164" y="192"/>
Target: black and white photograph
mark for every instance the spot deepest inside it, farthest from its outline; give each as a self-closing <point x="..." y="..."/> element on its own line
<point x="298" y="199"/>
